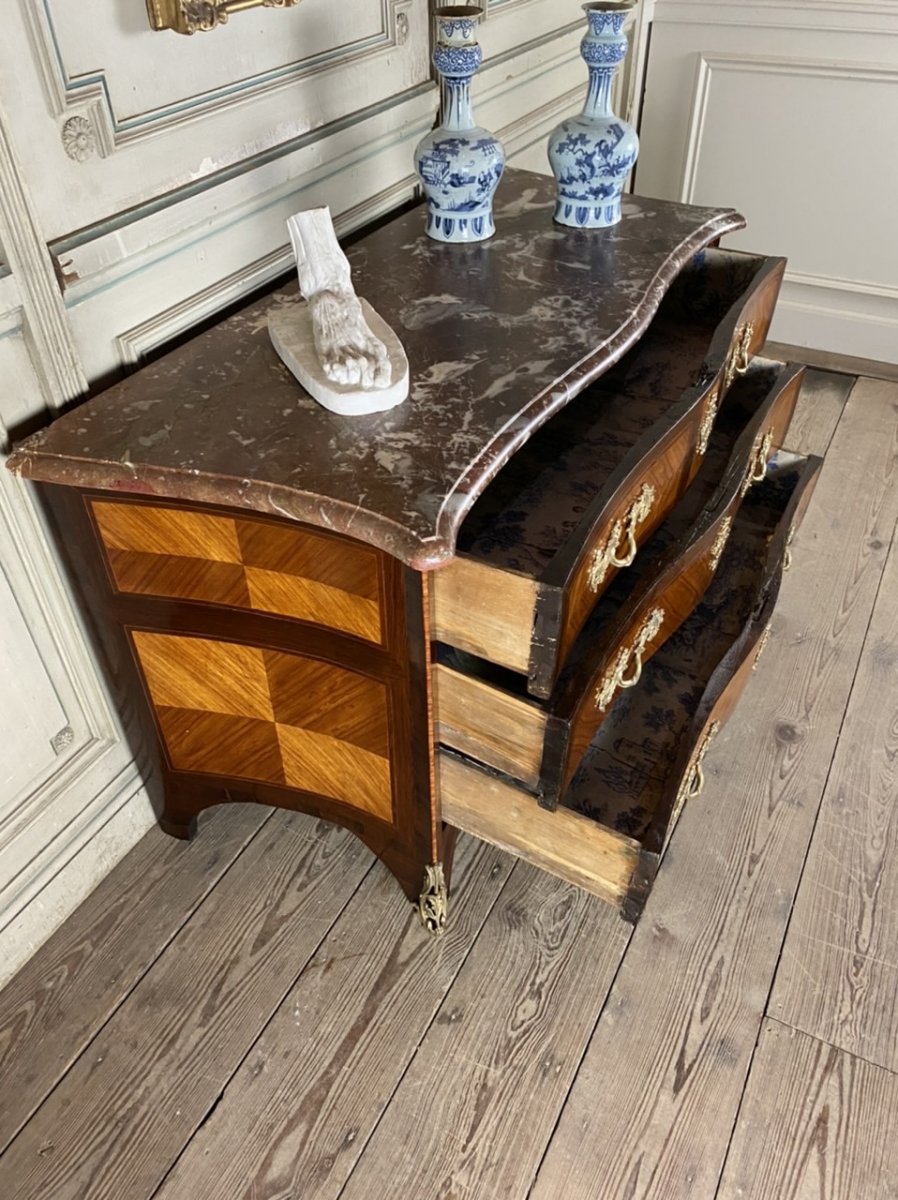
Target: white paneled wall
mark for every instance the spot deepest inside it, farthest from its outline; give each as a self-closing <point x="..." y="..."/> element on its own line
<point x="144" y="183"/>
<point x="788" y="110"/>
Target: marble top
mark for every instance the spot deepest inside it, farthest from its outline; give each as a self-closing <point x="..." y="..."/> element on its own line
<point x="499" y="336"/>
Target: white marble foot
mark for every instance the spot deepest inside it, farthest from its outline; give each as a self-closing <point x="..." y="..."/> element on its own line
<point x="293" y="335"/>
<point x="335" y="344"/>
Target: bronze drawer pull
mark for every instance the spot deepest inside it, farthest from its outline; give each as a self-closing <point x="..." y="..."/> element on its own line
<point x="762" y="644"/>
<point x="743" y="350"/>
<point x="787" y="557"/>
<point x="740" y="359"/>
<point x="694" y="783"/>
<point x="757" y="469"/>
<point x="720" y="542"/>
<point x="617" y="678"/>
<point x="607" y="556"/>
<point x="709" y="416"/>
<point x="697" y="783"/>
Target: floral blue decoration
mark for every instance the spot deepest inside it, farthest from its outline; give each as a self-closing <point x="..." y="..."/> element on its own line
<point x="459" y="163"/>
<point x="457" y="60"/>
<point x="463" y="25"/>
<point x="592" y="154"/>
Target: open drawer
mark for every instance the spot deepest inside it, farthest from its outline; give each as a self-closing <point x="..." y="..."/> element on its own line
<point x="572" y="509"/>
<point x="484" y="711"/>
<point x="646" y="759"/>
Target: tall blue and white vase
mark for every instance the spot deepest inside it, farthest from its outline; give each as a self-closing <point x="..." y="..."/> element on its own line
<point x="459" y="163"/>
<point x="592" y="154"/>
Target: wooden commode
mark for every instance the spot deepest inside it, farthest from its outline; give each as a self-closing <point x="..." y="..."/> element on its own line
<point x="521" y="604"/>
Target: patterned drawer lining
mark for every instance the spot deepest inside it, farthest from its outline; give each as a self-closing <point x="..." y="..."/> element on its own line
<point x="242" y="563"/>
<point x="264" y="715"/>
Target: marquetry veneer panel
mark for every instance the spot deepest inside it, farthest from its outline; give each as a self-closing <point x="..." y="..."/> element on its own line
<point x="242" y="563"/>
<point x="250" y="713"/>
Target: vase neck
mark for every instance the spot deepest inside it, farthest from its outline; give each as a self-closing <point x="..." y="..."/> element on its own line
<point x="457" y="111"/>
<point x="598" y="98"/>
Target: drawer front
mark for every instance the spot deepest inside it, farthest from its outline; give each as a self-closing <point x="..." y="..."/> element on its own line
<point x="245" y="712"/>
<point x="768" y="430"/>
<point x="635" y="510"/>
<point x="661" y="611"/>
<point x="600" y="478"/>
<point x="725" y="686"/>
<point x="541" y="745"/>
<point x="667" y="605"/>
<point x="240" y="562"/>
<point x="750" y="320"/>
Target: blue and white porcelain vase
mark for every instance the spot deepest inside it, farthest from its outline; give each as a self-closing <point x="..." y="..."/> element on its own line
<point x="592" y="154"/>
<point x="459" y="164"/>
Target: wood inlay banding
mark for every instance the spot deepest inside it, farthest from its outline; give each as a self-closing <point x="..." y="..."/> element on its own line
<point x="245" y="712"/>
<point x="191" y="555"/>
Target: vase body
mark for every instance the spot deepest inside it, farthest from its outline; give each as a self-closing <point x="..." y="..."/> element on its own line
<point x="592" y="154"/>
<point x="459" y="164"/>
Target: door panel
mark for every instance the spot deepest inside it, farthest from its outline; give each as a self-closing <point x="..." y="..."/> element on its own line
<point x="779" y="111"/>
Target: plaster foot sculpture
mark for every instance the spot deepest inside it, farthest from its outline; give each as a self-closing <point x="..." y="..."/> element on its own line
<point x="344" y="354"/>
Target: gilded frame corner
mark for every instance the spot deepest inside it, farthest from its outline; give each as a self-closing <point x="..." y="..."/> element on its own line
<point x="200" y="16"/>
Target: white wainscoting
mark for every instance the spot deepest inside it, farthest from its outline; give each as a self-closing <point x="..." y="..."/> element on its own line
<point x="133" y="285"/>
<point x="113" y="113"/>
<point x="787" y="112"/>
<point x="67" y="769"/>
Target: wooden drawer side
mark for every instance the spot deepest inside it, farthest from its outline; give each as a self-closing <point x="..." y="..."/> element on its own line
<point x="565" y="844"/>
<point x="484" y="611"/>
<point x="488" y="724"/>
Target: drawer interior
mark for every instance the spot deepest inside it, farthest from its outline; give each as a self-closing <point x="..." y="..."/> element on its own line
<point x="626" y="774"/>
<point x="485" y="732"/>
<point x="534" y="505"/>
<point x="609" y="833"/>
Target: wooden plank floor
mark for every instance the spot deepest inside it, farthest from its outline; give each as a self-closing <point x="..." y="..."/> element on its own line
<point x="256" y="1016"/>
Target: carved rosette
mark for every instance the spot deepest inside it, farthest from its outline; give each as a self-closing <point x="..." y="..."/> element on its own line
<point x="61" y="741"/>
<point x="79" y="139"/>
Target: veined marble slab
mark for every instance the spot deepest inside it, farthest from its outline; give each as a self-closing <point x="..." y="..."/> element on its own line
<point x="499" y="336"/>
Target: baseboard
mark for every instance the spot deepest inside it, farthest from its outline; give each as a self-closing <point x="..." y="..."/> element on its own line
<point x="130" y="817"/>
<point x="826" y="360"/>
<point x="842" y="317"/>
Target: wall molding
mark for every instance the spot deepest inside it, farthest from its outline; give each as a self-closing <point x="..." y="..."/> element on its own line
<point x="881" y="15"/>
<point x="137" y="343"/>
<point x="90" y="94"/>
<point x="56" y="360"/>
<point x="136" y="288"/>
<point x="90" y="768"/>
<point x="707" y="64"/>
<point x="863" y="325"/>
<point x="399" y="105"/>
<point x="833" y="283"/>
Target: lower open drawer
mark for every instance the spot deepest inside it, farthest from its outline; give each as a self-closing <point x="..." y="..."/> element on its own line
<point x="646" y="759"/>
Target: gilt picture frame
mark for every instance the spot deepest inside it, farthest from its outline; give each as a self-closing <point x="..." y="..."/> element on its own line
<point x="201" y="16"/>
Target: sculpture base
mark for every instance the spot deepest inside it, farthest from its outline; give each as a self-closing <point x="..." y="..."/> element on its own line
<point x="291" y="334"/>
<point x="587" y="216"/>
